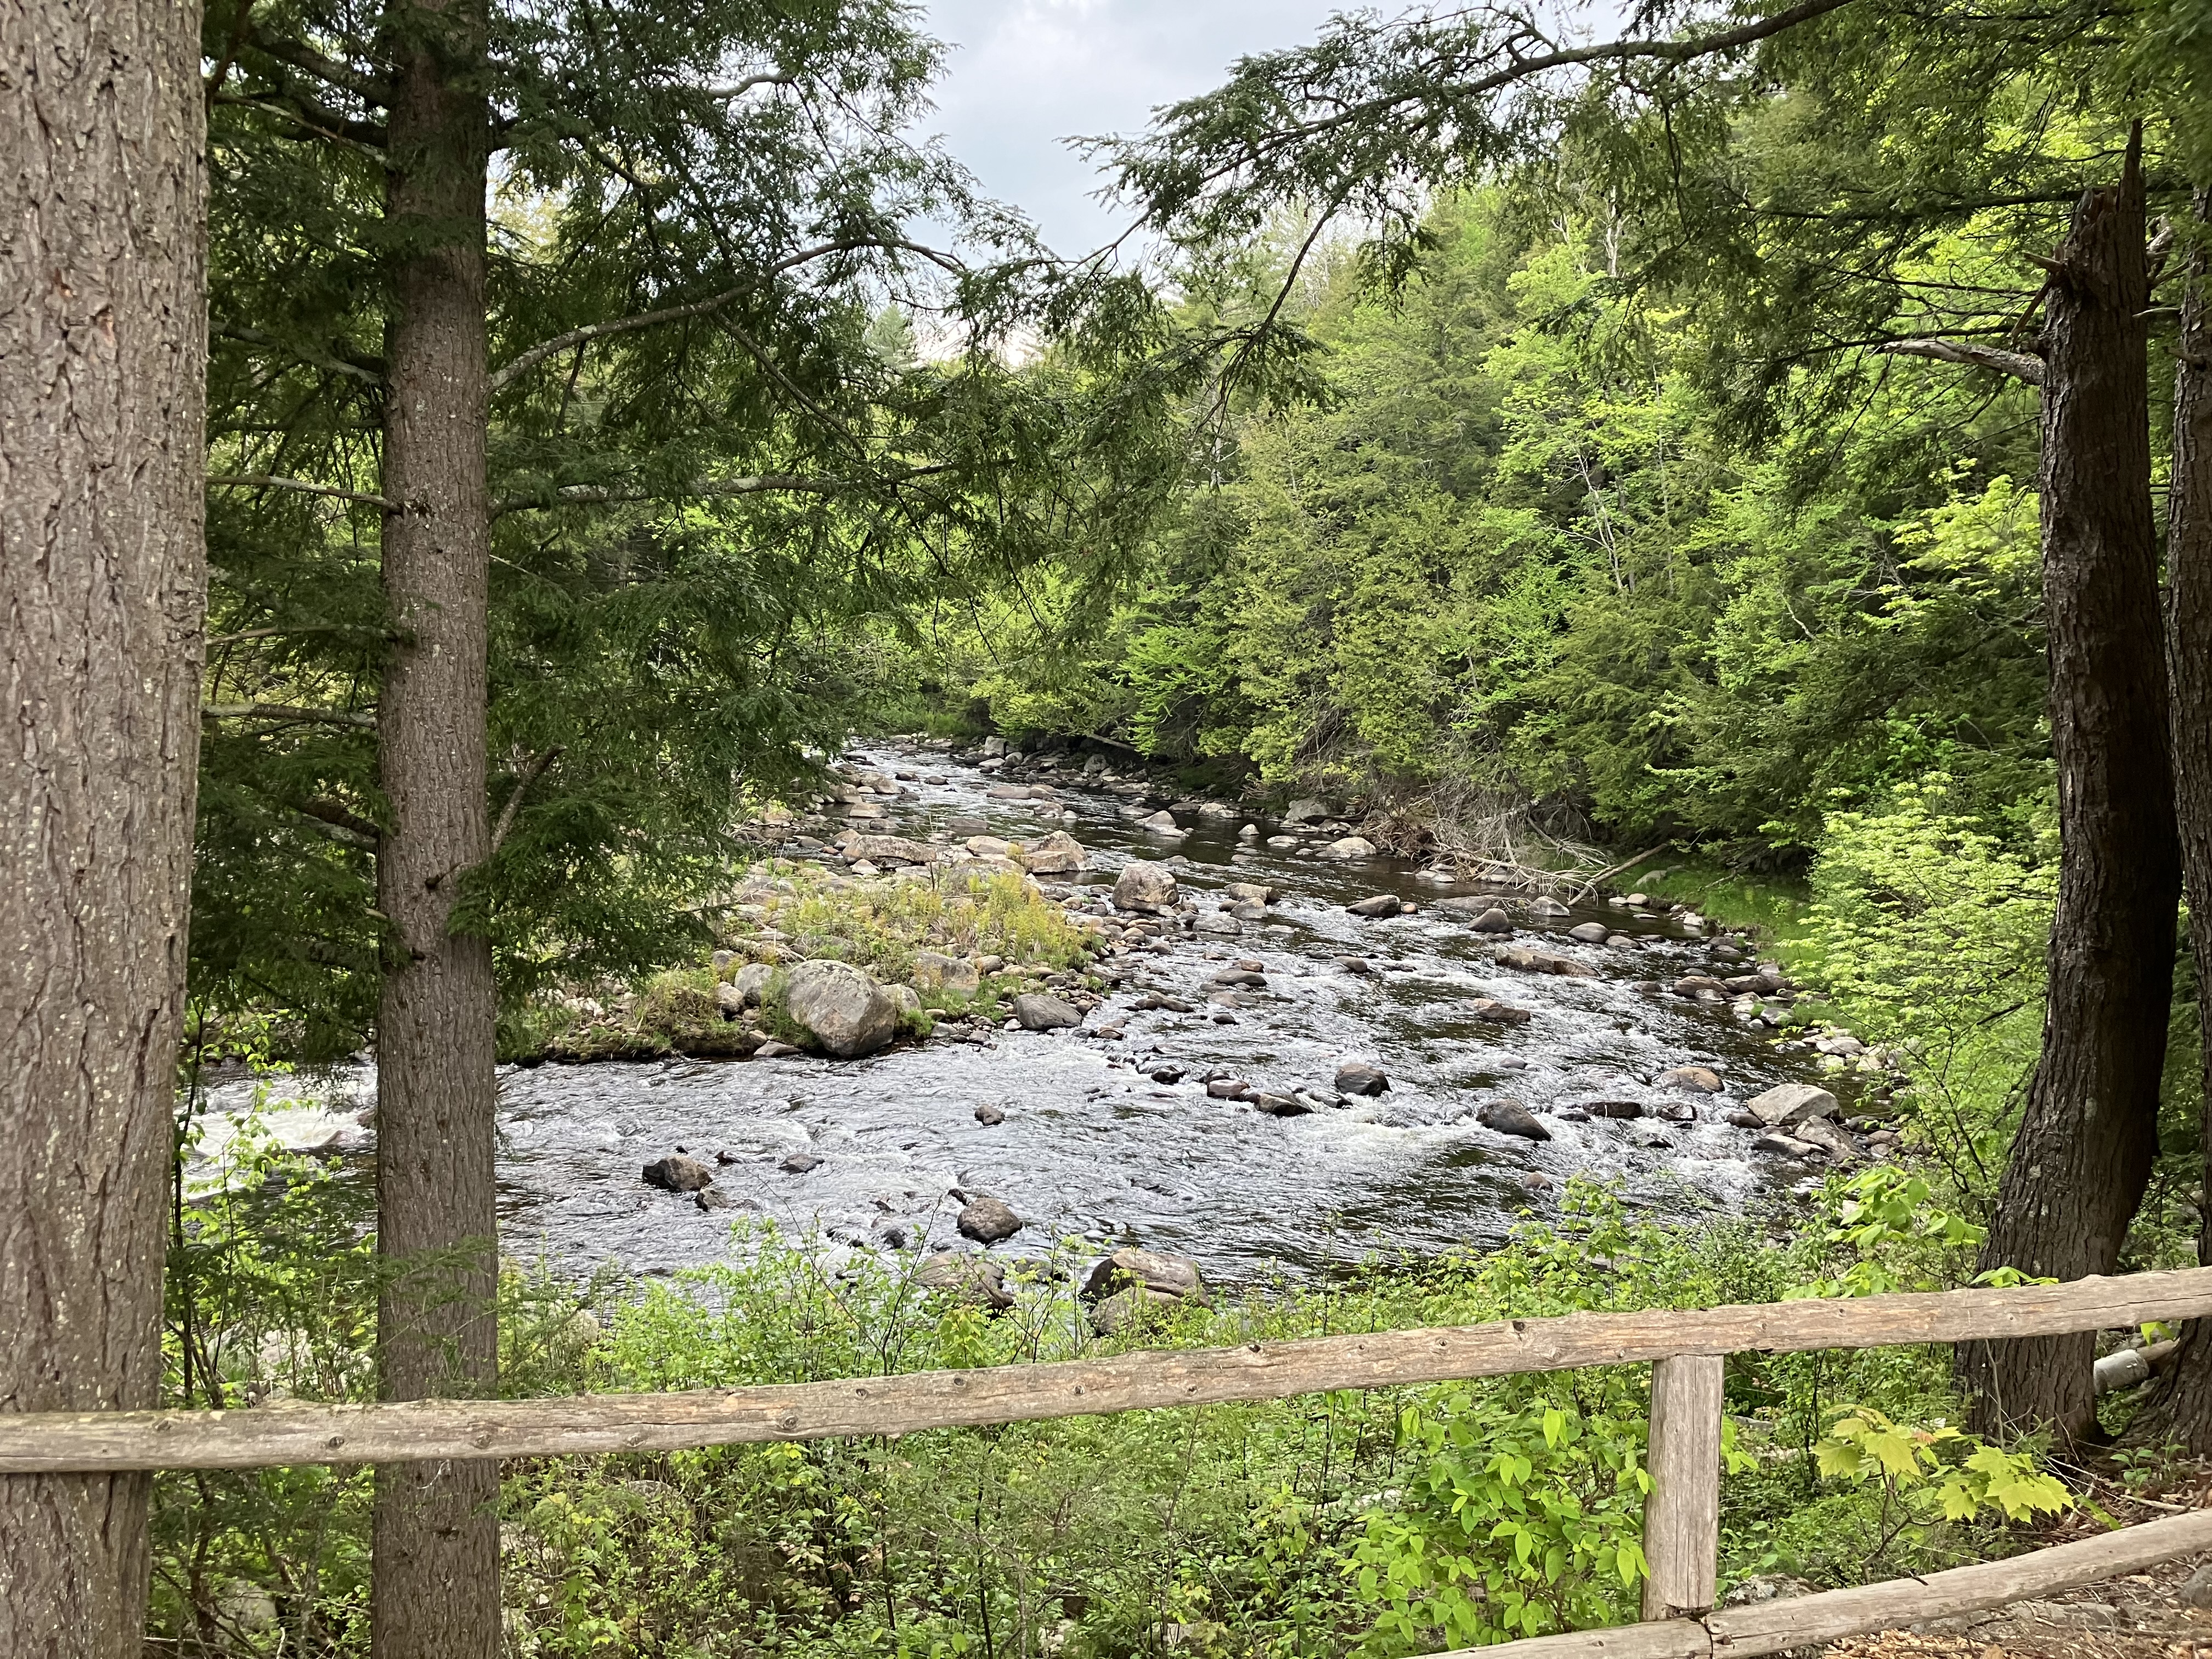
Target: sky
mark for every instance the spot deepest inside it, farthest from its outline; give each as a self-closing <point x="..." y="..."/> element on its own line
<point x="1026" y="73"/>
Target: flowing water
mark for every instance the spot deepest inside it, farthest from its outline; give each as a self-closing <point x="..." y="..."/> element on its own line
<point x="1092" y="1148"/>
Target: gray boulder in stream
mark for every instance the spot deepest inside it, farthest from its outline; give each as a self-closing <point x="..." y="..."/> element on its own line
<point x="1510" y="1117"/>
<point x="843" y="1010"/>
<point x="1143" y="885"/>
<point x="987" y="1220"/>
<point x="1039" y="1012"/>
<point x="1357" y="1077"/>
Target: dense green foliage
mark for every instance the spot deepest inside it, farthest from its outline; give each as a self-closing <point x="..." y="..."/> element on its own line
<point x="1385" y="1524"/>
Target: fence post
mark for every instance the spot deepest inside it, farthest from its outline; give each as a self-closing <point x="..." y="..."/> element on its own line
<point x="1682" y="1514"/>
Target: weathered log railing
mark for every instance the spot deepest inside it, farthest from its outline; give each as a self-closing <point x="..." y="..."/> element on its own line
<point x="1681" y="1516"/>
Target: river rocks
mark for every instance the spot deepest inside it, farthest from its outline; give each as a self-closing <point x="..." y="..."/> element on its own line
<point x="1492" y="920"/>
<point x="1221" y="924"/>
<point x="1040" y="1013"/>
<point x="1839" y="1146"/>
<point x="987" y="1221"/>
<point x="990" y="1116"/>
<point x="1761" y="984"/>
<point x="1251" y="892"/>
<point x="966" y="1277"/>
<point x="1359" y="965"/>
<point x="1173" y="1278"/>
<point x="887" y="849"/>
<point x="1789" y="1104"/>
<point x="1629" y="1109"/>
<point x="1531" y="960"/>
<point x="1227" y="1088"/>
<point x="677" y="1174"/>
<point x="1690" y="984"/>
<point x="1358" y="1077"/>
<point x="1145" y="886"/>
<point x="1249" y="832"/>
<point x="1305" y="811"/>
<point x="1510" y="1117"/>
<point x="1281" y="842"/>
<point x="1785" y="1145"/>
<point x="1382" y="904"/>
<point x="993" y="747"/>
<point x="730" y="1000"/>
<point x="936" y="972"/>
<point x="1499" y="1014"/>
<point x="1154" y="1002"/>
<point x="1350" y="847"/>
<point x="1698" y="1078"/>
<point x="1056" y="854"/>
<point x="845" y="1012"/>
<point x="1166" y="1074"/>
<point x="800" y="1164"/>
<point x="1240" y="979"/>
<point x="1548" y="908"/>
<point x="1275" y="1105"/>
<point x="1161" y="824"/>
<point x="773" y="1049"/>
<point x="710" y="1199"/>
<point x="1218" y="810"/>
<point x="750" y="982"/>
<point x="1590" y="933"/>
<point x="989" y="846"/>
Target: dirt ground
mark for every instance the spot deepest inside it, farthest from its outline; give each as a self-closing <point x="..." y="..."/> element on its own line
<point x="2146" y="1615"/>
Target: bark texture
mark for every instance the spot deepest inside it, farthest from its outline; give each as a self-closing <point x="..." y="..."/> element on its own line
<point x="436" y="1580"/>
<point x="103" y="343"/>
<point x="2089" y="1129"/>
<point x="2183" y="1409"/>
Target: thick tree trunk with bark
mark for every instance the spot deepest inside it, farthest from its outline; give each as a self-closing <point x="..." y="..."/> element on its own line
<point x="2183" y="1409"/>
<point x="2089" y="1130"/>
<point x="436" y="1582"/>
<point x="103" y="348"/>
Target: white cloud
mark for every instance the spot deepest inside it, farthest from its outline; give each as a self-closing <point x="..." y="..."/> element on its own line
<point x="1027" y="74"/>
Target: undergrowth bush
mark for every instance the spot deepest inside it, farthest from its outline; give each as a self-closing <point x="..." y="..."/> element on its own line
<point x="1376" y="1523"/>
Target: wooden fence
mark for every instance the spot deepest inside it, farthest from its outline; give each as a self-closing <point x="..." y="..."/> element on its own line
<point x="1687" y="1350"/>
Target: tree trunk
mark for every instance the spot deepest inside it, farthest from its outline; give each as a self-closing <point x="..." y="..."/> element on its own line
<point x="2089" y="1130"/>
<point x="103" y="337"/>
<point x="2182" y="1408"/>
<point x="436" y="1582"/>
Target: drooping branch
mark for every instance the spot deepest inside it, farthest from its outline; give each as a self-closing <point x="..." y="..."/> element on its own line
<point x="337" y="813"/>
<point x="699" y="489"/>
<point x="285" y="714"/>
<point x="536" y="770"/>
<point x="301" y="56"/>
<point x="2018" y="364"/>
<point x="370" y="372"/>
<point x="506" y="375"/>
<point x="263" y="481"/>
<point x="315" y="118"/>
<point x="739" y="88"/>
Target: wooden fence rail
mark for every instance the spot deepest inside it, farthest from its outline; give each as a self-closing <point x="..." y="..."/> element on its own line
<point x="1681" y="1517"/>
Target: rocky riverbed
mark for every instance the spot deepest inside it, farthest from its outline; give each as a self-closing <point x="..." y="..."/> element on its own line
<point x="1289" y="1053"/>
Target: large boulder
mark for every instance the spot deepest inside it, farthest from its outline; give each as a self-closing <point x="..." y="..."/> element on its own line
<point x="1155" y="1271"/>
<point x="677" y="1174"/>
<point x="1350" y="847"/>
<point x="1040" y="1013"/>
<point x="1789" y="1104"/>
<point x="987" y="1221"/>
<point x="1590" y="933"/>
<point x="1700" y="1079"/>
<point x="1161" y="824"/>
<point x="935" y="972"/>
<point x="1530" y="960"/>
<point x="842" y="1010"/>
<point x="1510" y="1117"/>
<point x="1382" y="904"/>
<point x="1305" y="812"/>
<point x="966" y="1277"/>
<point x="1056" y="854"/>
<point x="745" y="987"/>
<point x="1145" y="886"/>
<point x="1252" y="892"/>
<point x="889" y="849"/>
<point x="1358" y="1077"/>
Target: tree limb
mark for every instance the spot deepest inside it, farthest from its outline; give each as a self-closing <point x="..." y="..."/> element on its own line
<point x="339" y="814"/>
<point x="285" y="713"/>
<point x="536" y="771"/>
<point x="2018" y="364"/>
<point x="371" y="371"/>
<point x="329" y="71"/>
<point x="773" y="484"/>
<point x="739" y="88"/>
<point x="263" y="481"/>
<point x="314" y="117"/>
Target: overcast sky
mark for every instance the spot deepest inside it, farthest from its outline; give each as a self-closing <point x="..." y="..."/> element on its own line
<point x="1025" y="74"/>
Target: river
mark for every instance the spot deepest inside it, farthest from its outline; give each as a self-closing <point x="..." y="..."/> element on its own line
<point x="1093" y="1150"/>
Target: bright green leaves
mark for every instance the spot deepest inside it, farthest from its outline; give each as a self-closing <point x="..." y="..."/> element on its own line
<point x="1936" y="1471"/>
<point x="1518" y="1516"/>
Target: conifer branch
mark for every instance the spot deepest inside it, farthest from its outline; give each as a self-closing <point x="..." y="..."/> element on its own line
<point x="535" y="771"/>
<point x="329" y="71"/>
<point x="263" y="481"/>
<point x="739" y="88"/>
<point x="2018" y="364"/>
<point x="504" y="377"/>
<point x="370" y="374"/>
<point x="285" y="714"/>
<point x="772" y="484"/>
<point x="315" y="118"/>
